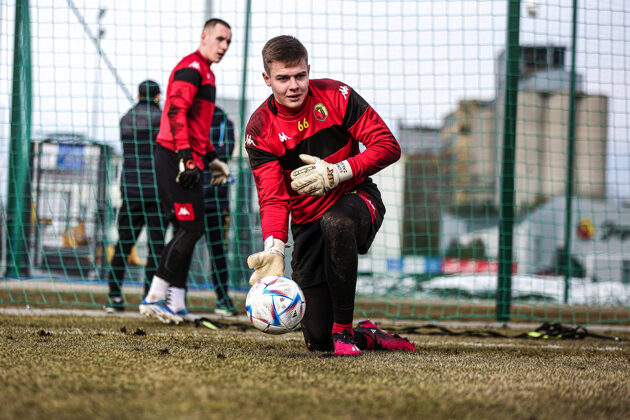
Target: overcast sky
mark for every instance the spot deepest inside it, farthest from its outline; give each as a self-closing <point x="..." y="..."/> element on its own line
<point x="413" y="61"/>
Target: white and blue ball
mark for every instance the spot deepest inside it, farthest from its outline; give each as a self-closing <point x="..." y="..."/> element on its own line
<point x="275" y="305"/>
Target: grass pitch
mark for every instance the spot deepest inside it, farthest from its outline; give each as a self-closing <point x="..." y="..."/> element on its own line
<point x="133" y="368"/>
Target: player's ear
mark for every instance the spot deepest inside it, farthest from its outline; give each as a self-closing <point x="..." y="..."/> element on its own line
<point x="266" y="78"/>
<point x="308" y="69"/>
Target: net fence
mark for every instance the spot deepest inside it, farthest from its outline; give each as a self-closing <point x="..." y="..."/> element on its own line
<point x="480" y="95"/>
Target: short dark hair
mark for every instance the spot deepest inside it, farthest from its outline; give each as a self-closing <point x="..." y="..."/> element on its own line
<point x="148" y="90"/>
<point x="286" y="49"/>
<point x="211" y="23"/>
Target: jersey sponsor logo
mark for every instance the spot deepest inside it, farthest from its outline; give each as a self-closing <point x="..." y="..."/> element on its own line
<point x="184" y="211"/>
<point x="283" y="137"/>
<point x="249" y="141"/>
<point x="320" y="112"/>
<point x="344" y="91"/>
<point x="195" y="65"/>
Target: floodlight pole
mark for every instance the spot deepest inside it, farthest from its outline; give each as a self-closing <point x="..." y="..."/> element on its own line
<point x="506" y="221"/>
<point x="97" y="97"/>
<point x="100" y="51"/>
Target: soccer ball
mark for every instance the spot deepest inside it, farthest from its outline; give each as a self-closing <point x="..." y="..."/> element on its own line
<point x="275" y="305"/>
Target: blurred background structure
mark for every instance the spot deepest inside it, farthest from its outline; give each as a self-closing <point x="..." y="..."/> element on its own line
<point x="511" y="199"/>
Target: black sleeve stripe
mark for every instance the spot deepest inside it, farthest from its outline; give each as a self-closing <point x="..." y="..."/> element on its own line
<point x="207" y="93"/>
<point x="259" y="157"/>
<point x="356" y="107"/>
<point x="188" y="75"/>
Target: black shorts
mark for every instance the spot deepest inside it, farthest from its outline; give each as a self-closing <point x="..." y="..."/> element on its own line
<point x="309" y="254"/>
<point x="184" y="206"/>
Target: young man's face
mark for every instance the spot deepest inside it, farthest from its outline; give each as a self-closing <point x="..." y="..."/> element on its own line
<point x="215" y="42"/>
<point x="288" y="83"/>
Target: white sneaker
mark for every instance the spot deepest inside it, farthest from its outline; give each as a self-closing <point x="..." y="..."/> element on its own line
<point x="161" y="311"/>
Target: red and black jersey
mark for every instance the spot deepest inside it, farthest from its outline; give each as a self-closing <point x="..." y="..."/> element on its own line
<point x="189" y="107"/>
<point x="330" y="125"/>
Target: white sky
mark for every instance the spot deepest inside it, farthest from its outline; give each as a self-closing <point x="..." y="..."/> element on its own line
<point x="413" y="61"/>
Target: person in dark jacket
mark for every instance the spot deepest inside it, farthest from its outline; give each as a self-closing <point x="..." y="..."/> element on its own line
<point x="217" y="211"/>
<point x="140" y="204"/>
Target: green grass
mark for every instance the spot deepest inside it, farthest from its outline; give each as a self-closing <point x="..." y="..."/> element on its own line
<point x="132" y="368"/>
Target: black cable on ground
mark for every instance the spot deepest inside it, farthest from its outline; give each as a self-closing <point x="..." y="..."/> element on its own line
<point x="544" y="331"/>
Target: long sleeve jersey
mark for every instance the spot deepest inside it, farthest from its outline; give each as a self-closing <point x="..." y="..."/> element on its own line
<point x="332" y="122"/>
<point x="189" y="107"/>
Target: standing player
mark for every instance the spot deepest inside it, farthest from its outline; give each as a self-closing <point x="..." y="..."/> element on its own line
<point x="140" y="205"/>
<point x="335" y="207"/>
<point x="217" y="208"/>
<point x="183" y="149"/>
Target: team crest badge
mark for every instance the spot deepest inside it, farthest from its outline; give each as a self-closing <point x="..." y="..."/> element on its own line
<point x="320" y="112"/>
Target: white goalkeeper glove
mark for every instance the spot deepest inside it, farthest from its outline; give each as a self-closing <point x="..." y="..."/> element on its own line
<point x="269" y="262"/>
<point x="220" y="172"/>
<point x="318" y="176"/>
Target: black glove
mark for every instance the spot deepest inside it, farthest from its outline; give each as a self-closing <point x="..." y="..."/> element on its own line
<point x="189" y="173"/>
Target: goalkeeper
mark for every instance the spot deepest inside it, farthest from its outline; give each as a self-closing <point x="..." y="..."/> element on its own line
<point x="183" y="148"/>
<point x="303" y="146"/>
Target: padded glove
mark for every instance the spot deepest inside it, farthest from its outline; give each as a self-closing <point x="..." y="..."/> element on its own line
<point x="189" y="173"/>
<point x="219" y="170"/>
<point x="269" y="262"/>
<point x="319" y="176"/>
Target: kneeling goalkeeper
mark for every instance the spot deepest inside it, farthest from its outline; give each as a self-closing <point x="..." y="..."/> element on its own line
<point x="303" y="147"/>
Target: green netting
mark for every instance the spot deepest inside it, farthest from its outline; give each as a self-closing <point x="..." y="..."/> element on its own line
<point x="480" y="95"/>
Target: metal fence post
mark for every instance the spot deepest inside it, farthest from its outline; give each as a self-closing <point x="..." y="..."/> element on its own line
<point x="18" y="201"/>
<point x="506" y="222"/>
<point x="568" y="272"/>
<point x="242" y="231"/>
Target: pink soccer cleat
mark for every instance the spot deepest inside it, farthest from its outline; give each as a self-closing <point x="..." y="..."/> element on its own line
<point x="345" y="344"/>
<point x="378" y="339"/>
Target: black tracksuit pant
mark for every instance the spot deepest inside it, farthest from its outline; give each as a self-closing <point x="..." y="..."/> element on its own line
<point x="136" y="213"/>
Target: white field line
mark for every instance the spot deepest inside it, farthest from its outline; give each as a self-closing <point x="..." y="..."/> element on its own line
<point x="129" y="313"/>
<point x="88" y="286"/>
